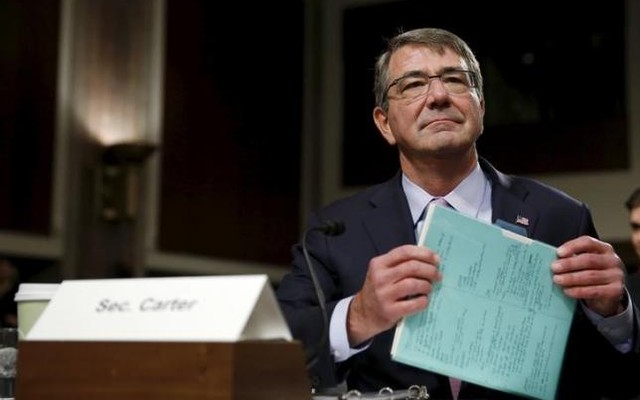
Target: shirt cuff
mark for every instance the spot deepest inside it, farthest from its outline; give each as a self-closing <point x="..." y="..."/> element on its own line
<point x="617" y="329"/>
<point x="338" y="337"/>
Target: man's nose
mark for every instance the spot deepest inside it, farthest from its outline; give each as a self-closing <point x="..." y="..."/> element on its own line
<point x="436" y="92"/>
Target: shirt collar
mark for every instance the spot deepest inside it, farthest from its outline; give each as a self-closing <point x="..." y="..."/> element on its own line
<point x="463" y="197"/>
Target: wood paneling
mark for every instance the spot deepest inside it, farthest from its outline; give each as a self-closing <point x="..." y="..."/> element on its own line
<point x="232" y="129"/>
<point x="28" y="72"/>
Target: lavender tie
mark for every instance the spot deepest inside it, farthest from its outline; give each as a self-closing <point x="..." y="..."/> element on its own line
<point x="436" y="200"/>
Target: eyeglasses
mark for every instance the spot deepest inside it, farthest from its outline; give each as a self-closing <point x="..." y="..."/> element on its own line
<point x="416" y="84"/>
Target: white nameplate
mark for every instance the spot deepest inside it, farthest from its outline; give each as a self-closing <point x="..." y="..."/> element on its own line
<point x="217" y="308"/>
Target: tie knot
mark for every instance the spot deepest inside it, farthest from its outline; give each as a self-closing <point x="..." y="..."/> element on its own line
<point x="419" y="222"/>
<point x="436" y="200"/>
<point x="441" y="201"/>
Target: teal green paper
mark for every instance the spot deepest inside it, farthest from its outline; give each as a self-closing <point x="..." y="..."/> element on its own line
<point x="496" y="319"/>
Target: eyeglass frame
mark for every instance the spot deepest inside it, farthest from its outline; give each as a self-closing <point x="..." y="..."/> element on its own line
<point x="473" y="81"/>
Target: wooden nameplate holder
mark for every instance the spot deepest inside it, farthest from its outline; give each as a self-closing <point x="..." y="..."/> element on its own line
<point x="245" y="370"/>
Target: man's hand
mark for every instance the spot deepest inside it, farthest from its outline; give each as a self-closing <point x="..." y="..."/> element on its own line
<point x="398" y="283"/>
<point x="589" y="269"/>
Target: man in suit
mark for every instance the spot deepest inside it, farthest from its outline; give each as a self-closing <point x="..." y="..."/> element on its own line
<point x="430" y="105"/>
<point x="633" y="279"/>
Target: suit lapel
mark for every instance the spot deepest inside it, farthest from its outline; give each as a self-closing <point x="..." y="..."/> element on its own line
<point x="388" y="219"/>
<point x="508" y="200"/>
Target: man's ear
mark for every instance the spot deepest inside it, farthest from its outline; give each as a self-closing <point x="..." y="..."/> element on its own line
<point x="382" y="122"/>
<point x="482" y="110"/>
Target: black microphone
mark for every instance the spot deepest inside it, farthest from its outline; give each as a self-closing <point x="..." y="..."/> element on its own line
<point x="329" y="228"/>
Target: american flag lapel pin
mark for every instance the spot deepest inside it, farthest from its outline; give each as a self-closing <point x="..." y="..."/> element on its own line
<point x="522" y="220"/>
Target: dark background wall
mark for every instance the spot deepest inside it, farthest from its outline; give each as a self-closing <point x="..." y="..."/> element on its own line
<point x="232" y="128"/>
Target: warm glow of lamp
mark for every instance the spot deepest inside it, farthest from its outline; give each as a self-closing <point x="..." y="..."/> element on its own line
<point x="110" y="104"/>
<point x="111" y="120"/>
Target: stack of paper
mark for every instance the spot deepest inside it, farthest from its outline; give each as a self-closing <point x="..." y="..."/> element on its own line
<point x="496" y="319"/>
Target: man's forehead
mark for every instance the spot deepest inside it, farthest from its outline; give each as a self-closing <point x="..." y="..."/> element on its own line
<point x="421" y="57"/>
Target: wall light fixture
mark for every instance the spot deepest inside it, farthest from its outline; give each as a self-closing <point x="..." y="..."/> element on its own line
<point x="119" y="181"/>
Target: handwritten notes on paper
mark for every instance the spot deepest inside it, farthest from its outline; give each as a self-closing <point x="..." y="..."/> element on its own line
<point x="496" y="319"/>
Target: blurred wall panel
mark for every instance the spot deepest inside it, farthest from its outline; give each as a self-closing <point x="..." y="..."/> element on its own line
<point x="28" y="73"/>
<point x="232" y="130"/>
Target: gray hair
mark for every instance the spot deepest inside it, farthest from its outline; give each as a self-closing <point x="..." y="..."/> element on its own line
<point x="433" y="38"/>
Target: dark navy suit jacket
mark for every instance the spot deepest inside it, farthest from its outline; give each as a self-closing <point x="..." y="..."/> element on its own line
<point x="377" y="220"/>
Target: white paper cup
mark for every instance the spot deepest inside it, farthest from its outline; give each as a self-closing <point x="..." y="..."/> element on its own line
<point x="32" y="299"/>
